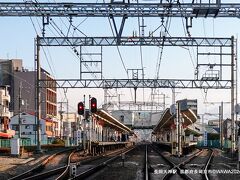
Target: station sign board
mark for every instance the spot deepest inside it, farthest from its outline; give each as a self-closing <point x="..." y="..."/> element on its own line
<point x="205" y="138"/>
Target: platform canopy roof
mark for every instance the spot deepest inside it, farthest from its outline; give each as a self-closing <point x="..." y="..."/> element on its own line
<point x="107" y="119"/>
<point x="167" y="120"/>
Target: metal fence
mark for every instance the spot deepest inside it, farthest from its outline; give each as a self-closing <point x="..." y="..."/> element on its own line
<point x="6" y="143"/>
<point x="215" y="144"/>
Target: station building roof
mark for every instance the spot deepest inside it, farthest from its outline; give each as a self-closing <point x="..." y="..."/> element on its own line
<point x="109" y="120"/>
<point x="190" y="130"/>
<point x="167" y="119"/>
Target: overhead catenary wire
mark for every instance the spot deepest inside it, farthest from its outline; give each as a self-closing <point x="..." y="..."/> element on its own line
<point x="68" y="30"/>
<point x="46" y="56"/>
<point x="191" y="58"/>
<point x="119" y="53"/>
<point x="140" y="47"/>
<point x="50" y="66"/>
<point x="60" y="32"/>
<point x="161" y="48"/>
<point x="160" y="51"/>
<point x="52" y="69"/>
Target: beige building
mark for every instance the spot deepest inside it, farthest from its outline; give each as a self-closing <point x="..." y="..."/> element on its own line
<point x="68" y="124"/>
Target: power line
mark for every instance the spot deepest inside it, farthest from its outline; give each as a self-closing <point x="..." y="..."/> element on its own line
<point x="204" y="94"/>
<point x="60" y="32"/>
<point x="119" y="53"/>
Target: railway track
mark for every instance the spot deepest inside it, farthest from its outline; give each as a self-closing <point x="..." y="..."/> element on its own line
<point x="157" y="165"/>
<point x="58" y="166"/>
<point x="145" y="161"/>
<point x="52" y="167"/>
<point x="167" y="168"/>
<point x="207" y="166"/>
<point x="88" y="168"/>
<point x="196" y="167"/>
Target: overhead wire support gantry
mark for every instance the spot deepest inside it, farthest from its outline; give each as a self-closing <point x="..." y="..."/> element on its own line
<point x="172" y="9"/>
<point x="134" y="41"/>
<point x="126" y="10"/>
<point x="136" y="83"/>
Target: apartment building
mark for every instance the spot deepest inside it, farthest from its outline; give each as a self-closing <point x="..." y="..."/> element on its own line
<point x="5" y="131"/>
<point x="21" y="83"/>
<point x="25" y="82"/>
<point x="8" y="67"/>
<point x="28" y="128"/>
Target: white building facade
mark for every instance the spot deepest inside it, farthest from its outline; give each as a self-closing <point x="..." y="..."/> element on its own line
<point x="5" y="131"/>
<point x="28" y="128"/>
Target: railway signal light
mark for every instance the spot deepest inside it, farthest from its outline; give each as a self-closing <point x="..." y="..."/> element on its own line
<point x="80" y="108"/>
<point x="93" y="105"/>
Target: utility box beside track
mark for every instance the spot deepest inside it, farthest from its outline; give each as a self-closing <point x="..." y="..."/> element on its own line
<point x="73" y="170"/>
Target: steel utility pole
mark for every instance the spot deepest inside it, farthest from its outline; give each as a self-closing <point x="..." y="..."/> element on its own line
<point x="178" y="131"/>
<point x="90" y="126"/>
<point x="239" y="146"/>
<point x="232" y="99"/>
<point x="38" y="95"/>
<point x="221" y="125"/>
<point x="61" y="118"/>
<point x="61" y="111"/>
<point x="19" y="109"/>
<point x="69" y="126"/>
<point x="84" y="124"/>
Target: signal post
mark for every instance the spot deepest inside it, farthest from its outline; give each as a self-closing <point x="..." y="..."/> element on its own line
<point x="86" y="113"/>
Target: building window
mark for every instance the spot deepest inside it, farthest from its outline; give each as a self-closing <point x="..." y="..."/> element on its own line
<point x="122" y="118"/>
<point x="15" y="127"/>
<point x="34" y="127"/>
<point x="23" y="121"/>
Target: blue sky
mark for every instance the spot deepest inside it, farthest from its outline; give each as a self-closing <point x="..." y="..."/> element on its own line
<point x="17" y="41"/>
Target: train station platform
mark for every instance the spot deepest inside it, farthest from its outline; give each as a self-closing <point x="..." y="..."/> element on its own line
<point x="166" y="134"/>
<point x="107" y="119"/>
<point x="102" y="147"/>
<point x="105" y="132"/>
<point x="168" y="146"/>
<point x="167" y="120"/>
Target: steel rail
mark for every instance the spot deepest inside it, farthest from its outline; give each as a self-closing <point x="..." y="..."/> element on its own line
<point x="39" y="167"/>
<point x="207" y="165"/>
<point x="47" y="174"/>
<point x="146" y="164"/>
<point x="98" y="167"/>
<point x="66" y="172"/>
<point x="177" y="166"/>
